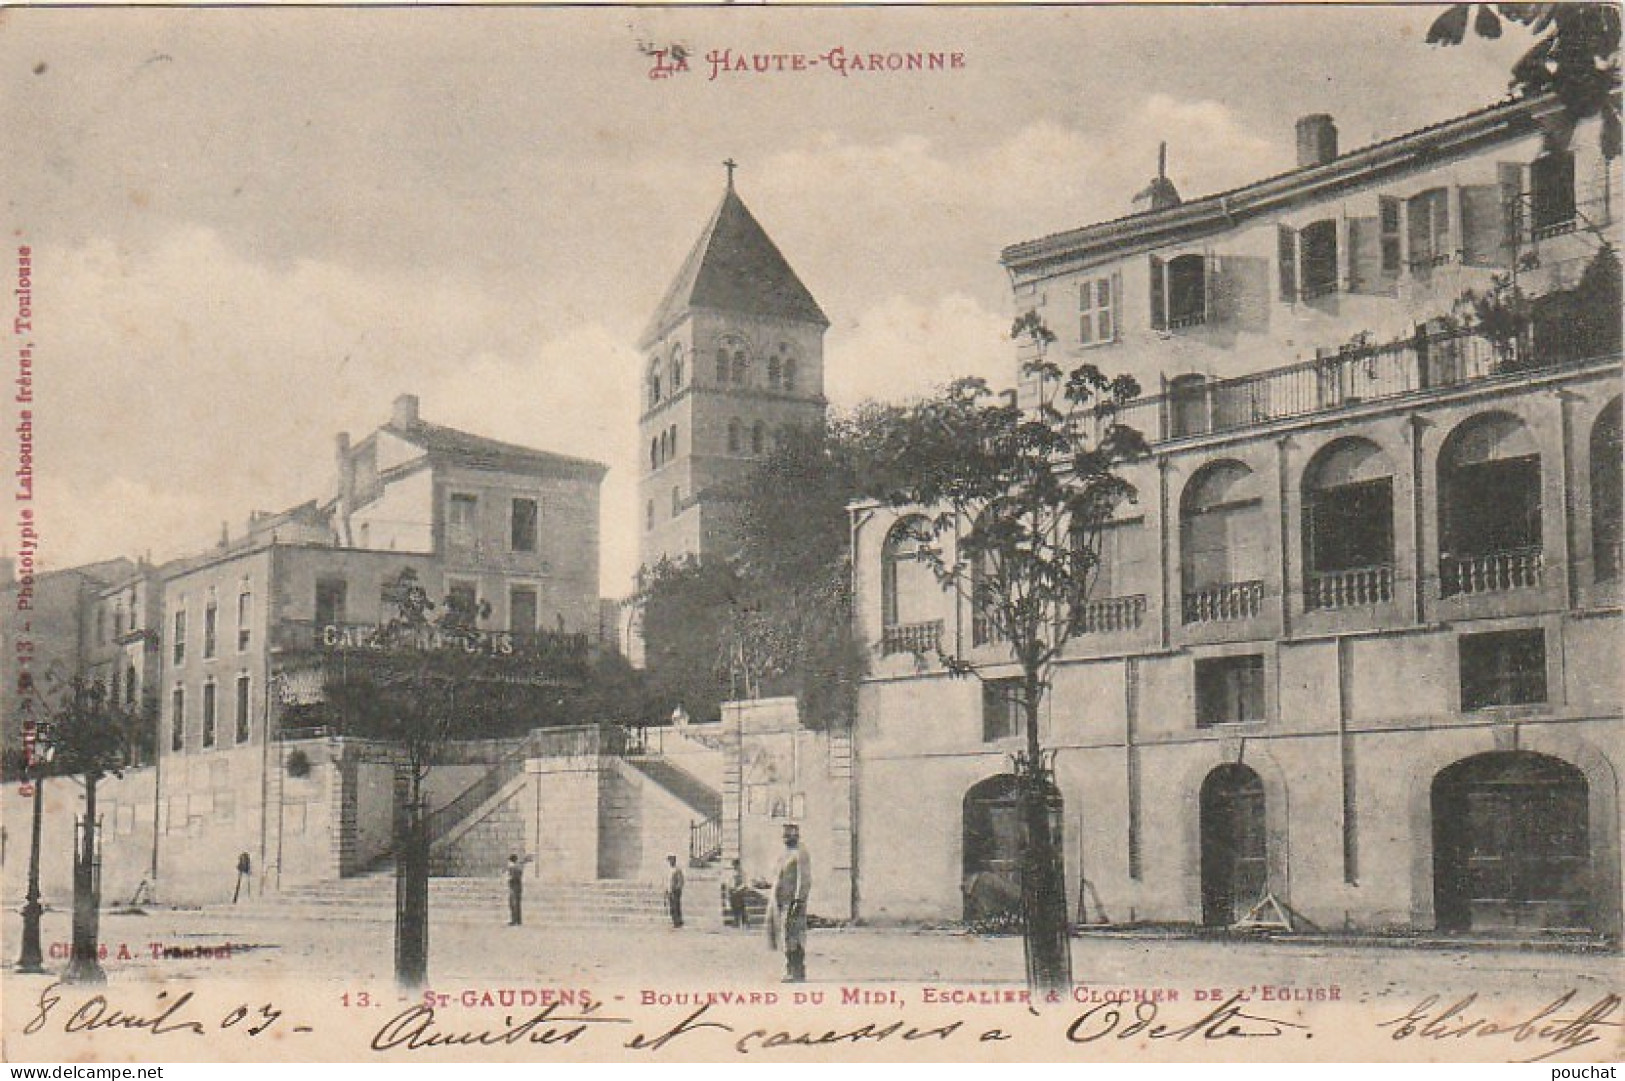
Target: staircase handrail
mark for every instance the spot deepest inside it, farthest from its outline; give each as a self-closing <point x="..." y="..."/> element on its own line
<point x="441" y="820"/>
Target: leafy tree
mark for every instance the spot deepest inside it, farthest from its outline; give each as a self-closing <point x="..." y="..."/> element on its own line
<point x="775" y="617"/>
<point x="1018" y="497"/>
<point x="86" y="734"/>
<point x="1575" y="54"/>
<point x="432" y="679"/>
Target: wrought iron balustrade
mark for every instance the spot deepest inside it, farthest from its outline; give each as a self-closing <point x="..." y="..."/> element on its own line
<point x="1336" y="380"/>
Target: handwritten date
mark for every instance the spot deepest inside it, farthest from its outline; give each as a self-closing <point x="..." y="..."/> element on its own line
<point x="164" y="1017"/>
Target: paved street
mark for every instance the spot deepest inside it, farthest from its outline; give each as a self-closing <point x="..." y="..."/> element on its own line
<point x="639" y="957"/>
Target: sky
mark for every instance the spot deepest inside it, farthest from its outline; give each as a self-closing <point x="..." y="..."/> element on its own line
<point x="252" y="229"/>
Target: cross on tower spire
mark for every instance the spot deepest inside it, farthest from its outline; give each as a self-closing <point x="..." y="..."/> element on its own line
<point x="730" y="165"/>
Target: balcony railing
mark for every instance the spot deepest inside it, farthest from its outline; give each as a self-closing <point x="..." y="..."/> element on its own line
<point x="1110" y="615"/>
<point x="1356" y="587"/>
<point x="912" y="638"/>
<point x="1334" y="381"/>
<point x="1497" y="572"/>
<point x="1188" y="319"/>
<point x="1223" y="604"/>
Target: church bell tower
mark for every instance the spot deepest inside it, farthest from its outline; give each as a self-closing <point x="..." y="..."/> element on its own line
<point x="732" y="360"/>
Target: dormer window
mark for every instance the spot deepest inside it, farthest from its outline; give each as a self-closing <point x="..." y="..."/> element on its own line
<point x="1317" y="255"/>
<point x="1428" y="239"/>
<point x="1551" y="194"/>
<point x="1178" y="292"/>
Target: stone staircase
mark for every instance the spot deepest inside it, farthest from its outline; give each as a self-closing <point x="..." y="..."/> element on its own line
<point x="371" y="898"/>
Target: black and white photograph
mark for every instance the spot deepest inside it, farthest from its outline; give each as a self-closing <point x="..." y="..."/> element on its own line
<point x="812" y="534"/>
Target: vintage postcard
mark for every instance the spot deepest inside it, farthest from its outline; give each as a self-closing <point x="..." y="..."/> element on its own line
<point x="812" y="534"/>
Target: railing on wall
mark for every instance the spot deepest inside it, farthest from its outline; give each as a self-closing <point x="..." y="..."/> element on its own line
<point x="1110" y="615"/>
<point x="923" y="637"/>
<point x="1347" y="377"/>
<point x="1496" y="572"/>
<point x="1351" y="588"/>
<point x="1220" y="604"/>
<point x="704" y="841"/>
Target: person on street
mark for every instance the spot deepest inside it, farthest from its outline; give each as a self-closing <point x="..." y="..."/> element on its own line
<point x="674" y="892"/>
<point x="737" y="894"/>
<point x="790" y="904"/>
<point x="516" y="889"/>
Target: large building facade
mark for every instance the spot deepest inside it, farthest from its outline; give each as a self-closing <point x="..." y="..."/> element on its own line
<point x="226" y="650"/>
<point x="1355" y="646"/>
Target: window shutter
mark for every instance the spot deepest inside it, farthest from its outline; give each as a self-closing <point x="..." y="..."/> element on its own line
<point x="1388" y="226"/>
<point x="1514" y="214"/>
<point x="1210" y="287"/>
<point x="1117" y="305"/>
<point x="1159" y="295"/>
<point x="1481" y="226"/>
<point x="1286" y="257"/>
<point x="1368" y="273"/>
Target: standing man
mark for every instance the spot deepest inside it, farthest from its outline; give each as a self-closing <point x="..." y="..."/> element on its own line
<point x="516" y="890"/>
<point x="674" y="892"/>
<point x="737" y="904"/>
<point x="790" y="904"/>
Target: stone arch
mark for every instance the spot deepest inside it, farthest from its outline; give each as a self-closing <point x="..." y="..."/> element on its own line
<point x="1223" y="555"/>
<point x="1277" y="817"/>
<point x="1348" y="525"/>
<point x="1605" y="492"/>
<point x="1489" y="510"/>
<point x="993" y="838"/>
<point x="907" y="585"/>
<point x="1511" y="842"/>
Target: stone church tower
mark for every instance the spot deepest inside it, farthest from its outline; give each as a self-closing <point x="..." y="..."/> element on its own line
<point x="733" y="358"/>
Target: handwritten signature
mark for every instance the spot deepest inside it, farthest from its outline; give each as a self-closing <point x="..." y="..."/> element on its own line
<point x="1225" y="1021"/>
<point x="1464" y="1019"/>
<point x="164" y="1017"/>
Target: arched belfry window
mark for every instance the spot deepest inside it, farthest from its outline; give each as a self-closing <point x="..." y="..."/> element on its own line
<point x="1222" y="551"/>
<point x="758" y="437"/>
<point x="790" y="372"/>
<point x="676" y="368"/>
<point x="1489" y="507"/>
<point x="1348" y="526"/>
<point x="775" y="368"/>
<point x="722" y="364"/>
<point x="740" y="361"/>
<point x="734" y="435"/>
<point x="654" y="382"/>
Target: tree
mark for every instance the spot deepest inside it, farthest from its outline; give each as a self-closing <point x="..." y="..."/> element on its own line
<point x="86" y="734"/>
<point x="426" y="681"/>
<point x="1575" y="55"/>
<point x="774" y="617"/>
<point x="1017" y="499"/>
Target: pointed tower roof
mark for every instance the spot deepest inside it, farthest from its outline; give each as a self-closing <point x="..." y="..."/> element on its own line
<point x="735" y="267"/>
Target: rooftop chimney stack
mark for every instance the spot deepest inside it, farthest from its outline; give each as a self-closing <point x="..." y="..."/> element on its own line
<point x="405" y="413"/>
<point x="1317" y="140"/>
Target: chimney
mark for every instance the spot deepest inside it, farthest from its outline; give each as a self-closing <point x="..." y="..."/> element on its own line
<point x="346" y="481"/>
<point x="405" y="413"/>
<point x="1317" y="140"/>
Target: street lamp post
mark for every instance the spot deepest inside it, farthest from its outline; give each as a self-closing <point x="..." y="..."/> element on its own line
<point x="32" y="959"/>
